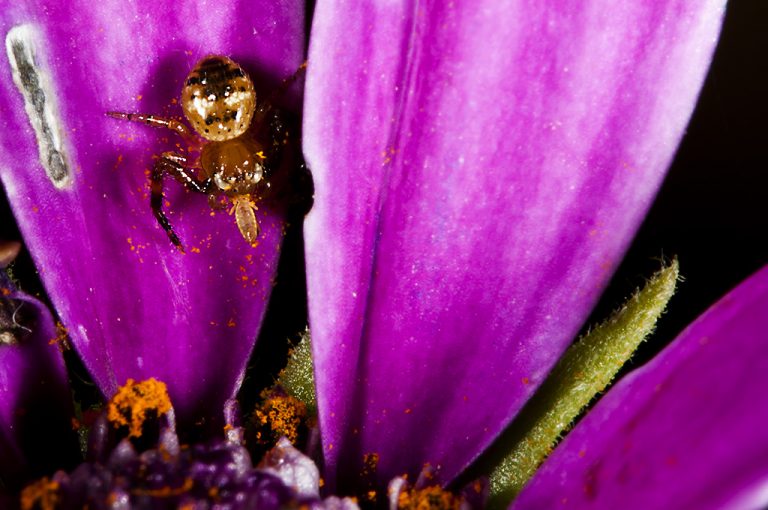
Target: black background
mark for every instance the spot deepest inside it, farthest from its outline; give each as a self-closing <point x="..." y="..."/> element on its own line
<point x="712" y="210"/>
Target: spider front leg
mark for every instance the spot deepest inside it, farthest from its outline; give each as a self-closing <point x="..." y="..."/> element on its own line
<point x="181" y="170"/>
<point x="173" y="164"/>
<point x="174" y="125"/>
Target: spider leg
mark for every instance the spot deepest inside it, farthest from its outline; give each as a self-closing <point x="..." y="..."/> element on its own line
<point x="214" y="204"/>
<point x="174" y="164"/>
<point x="178" y="166"/>
<point x="279" y="135"/>
<point x="266" y="105"/>
<point x="174" y="125"/>
<point x="278" y="138"/>
<point x="159" y="170"/>
<point x="290" y="80"/>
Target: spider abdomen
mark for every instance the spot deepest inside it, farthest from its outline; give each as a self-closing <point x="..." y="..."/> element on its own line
<point x="218" y="98"/>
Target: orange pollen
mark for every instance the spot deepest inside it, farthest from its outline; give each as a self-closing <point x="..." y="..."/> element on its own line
<point x="429" y="498"/>
<point x="132" y="403"/>
<point x="166" y="492"/>
<point x="62" y="337"/>
<point x="283" y="415"/>
<point x="370" y="463"/>
<point x="42" y="494"/>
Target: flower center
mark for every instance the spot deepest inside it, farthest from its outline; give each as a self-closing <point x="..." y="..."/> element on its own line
<point x="43" y="494"/>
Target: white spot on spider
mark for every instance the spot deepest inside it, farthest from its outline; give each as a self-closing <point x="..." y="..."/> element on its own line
<point x="34" y="84"/>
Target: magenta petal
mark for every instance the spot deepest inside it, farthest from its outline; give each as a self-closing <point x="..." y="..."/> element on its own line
<point x="479" y="169"/>
<point x="36" y="435"/>
<point x="685" y="431"/>
<point x="134" y="306"/>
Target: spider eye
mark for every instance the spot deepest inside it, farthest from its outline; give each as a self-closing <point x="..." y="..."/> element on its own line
<point x="218" y="99"/>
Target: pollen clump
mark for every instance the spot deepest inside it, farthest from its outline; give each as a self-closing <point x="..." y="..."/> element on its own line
<point x="135" y="402"/>
<point x="279" y="415"/>
<point x="166" y="491"/>
<point x="42" y="494"/>
<point x="61" y="339"/>
<point x="370" y="463"/>
<point x="429" y="498"/>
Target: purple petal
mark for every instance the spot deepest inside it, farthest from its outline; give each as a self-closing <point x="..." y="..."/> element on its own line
<point x="479" y="170"/>
<point x="36" y="434"/>
<point x="685" y="431"/>
<point x="135" y="306"/>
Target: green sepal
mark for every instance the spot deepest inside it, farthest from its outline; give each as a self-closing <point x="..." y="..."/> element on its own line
<point x="585" y="370"/>
<point x="298" y="377"/>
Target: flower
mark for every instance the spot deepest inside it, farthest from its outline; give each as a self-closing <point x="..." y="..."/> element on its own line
<point x="451" y="254"/>
<point x="463" y="254"/>
<point x="684" y="431"/>
<point x="128" y="300"/>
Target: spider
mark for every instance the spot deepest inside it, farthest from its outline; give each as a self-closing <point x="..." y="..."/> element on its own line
<point x="242" y="145"/>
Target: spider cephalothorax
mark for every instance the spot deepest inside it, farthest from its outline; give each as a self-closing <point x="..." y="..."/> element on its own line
<point x="242" y="143"/>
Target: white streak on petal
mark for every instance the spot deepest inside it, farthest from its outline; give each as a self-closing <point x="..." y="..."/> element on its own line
<point x="83" y="334"/>
<point x="35" y="86"/>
